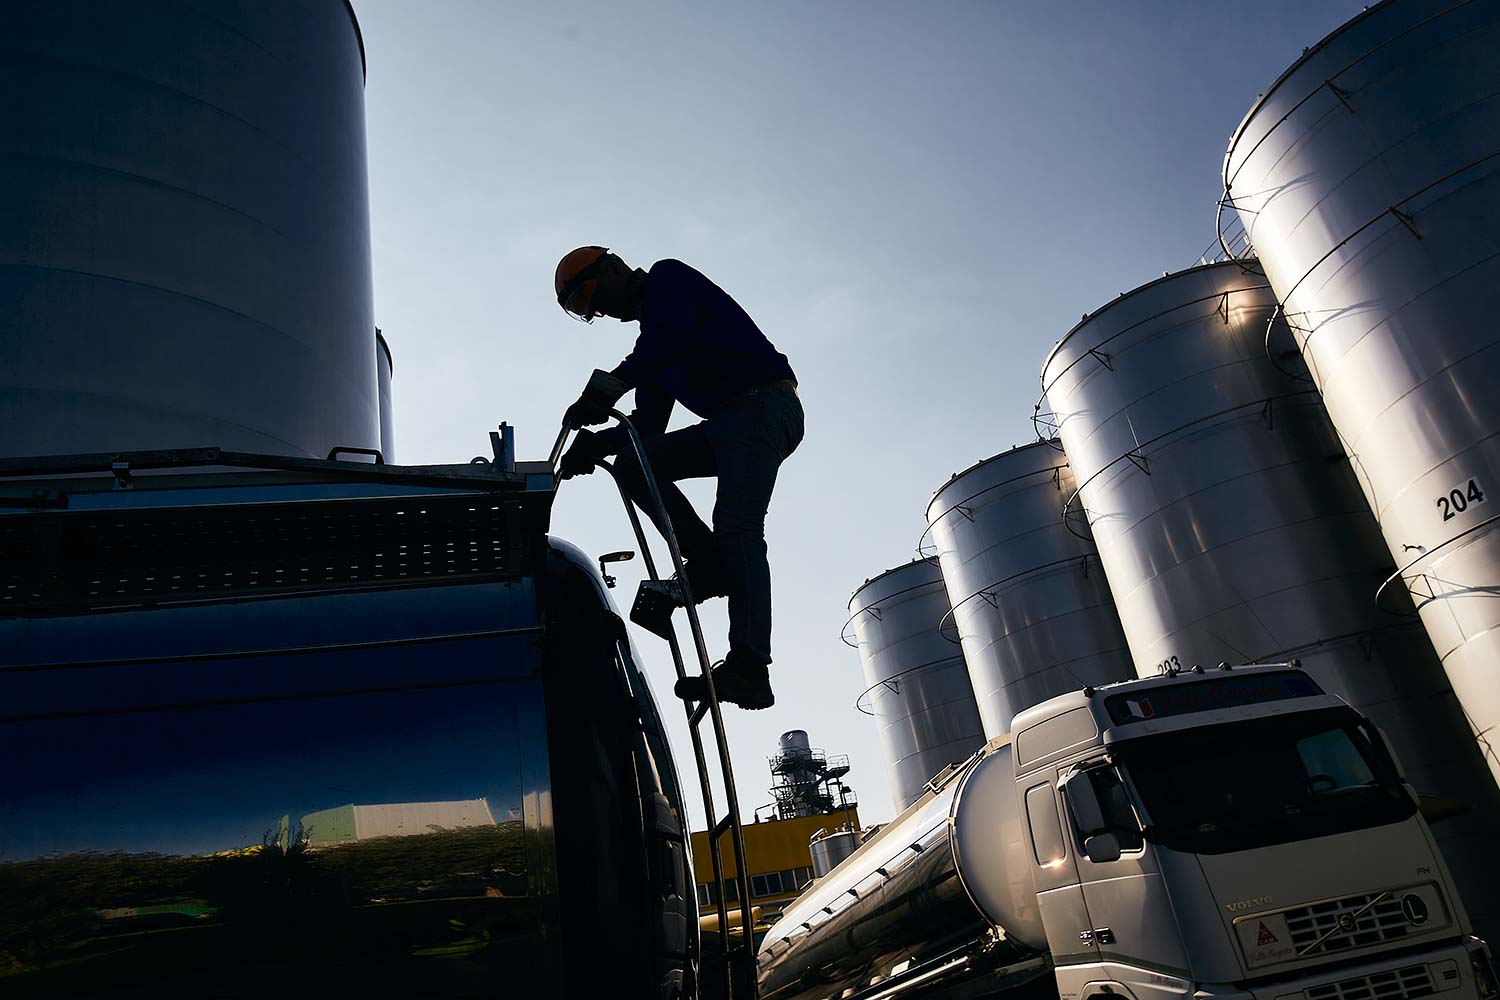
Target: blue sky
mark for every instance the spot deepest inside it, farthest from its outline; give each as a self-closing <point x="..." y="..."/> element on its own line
<point x="914" y="201"/>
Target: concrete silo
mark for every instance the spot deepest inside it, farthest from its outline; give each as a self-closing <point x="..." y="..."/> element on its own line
<point x="1231" y="528"/>
<point x="185" y="259"/>
<point x="1368" y="178"/>
<point x="918" y="688"/>
<point x="1031" y="606"/>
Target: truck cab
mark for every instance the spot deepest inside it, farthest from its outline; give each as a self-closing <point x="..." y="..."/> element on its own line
<point x="1233" y="833"/>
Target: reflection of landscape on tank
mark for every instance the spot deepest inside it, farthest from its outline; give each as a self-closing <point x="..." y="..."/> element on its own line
<point x="431" y="892"/>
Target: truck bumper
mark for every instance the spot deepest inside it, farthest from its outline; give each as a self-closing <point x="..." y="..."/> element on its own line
<point x="1459" y="971"/>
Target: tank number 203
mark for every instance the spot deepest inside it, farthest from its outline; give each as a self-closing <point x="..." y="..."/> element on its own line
<point x="1459" y="498"/>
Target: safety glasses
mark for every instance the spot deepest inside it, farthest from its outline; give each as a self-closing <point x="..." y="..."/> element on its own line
<point x="577" y="297"/>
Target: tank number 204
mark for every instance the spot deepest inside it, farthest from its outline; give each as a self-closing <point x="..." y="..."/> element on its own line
<point x="1459" y="499"/>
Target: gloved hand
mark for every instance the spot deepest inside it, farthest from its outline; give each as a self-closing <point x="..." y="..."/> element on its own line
<point x="599" y="396"/>
<point x="582" y="456"/>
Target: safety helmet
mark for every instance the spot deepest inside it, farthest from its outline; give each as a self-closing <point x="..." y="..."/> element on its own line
<point x="575" y="281"/>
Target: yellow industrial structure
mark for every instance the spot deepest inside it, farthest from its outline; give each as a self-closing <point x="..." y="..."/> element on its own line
<point x="779" y="855"/>
<point x="810" y="796"/>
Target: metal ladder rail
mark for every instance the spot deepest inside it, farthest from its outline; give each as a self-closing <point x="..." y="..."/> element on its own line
<point x="709" y="708"/>
<point x="715" y="854"/>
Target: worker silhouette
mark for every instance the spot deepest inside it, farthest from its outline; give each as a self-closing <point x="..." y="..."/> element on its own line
<point x="696" y="347"/>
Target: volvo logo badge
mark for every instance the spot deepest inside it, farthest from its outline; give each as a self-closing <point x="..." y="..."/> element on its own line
<point x="1346" y="922"/>
<point x="1414" y="909"/>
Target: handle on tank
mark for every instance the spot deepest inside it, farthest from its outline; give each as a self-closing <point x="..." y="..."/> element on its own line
<point x="375" y="453"/>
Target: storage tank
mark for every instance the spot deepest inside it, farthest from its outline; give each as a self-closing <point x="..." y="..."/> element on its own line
<point x="923" y="891"/>
<point x="918" y="687"/>
<point x="185" y="259"/>
<point x="1231" y="528"/>
<point x="828" y="849"/>
<point x="1367" y="178"/>
<point x="1031" y="606"/>
<point x="384" y="369"/>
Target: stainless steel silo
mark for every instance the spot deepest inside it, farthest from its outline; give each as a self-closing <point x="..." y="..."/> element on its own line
<point x="1368" y="179"/>
<point x="1031" y="606"/>
<point x="918" y="687"/>
<point x="828" y="849"/>
<point x="185" y="258"/>
<point x="1231" y="527"/>
<point x="385" y="369"/>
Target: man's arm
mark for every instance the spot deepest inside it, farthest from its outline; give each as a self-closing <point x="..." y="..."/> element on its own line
<point x="653" y="408"/>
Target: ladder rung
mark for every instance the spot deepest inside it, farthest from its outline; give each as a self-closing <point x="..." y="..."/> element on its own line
<point x="698" y="713"/>
<point x="727" y="955"/>
<point x="722" y="826"/>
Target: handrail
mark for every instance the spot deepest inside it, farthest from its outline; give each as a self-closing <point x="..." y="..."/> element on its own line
<point x="1217" y="297"/>
<point x="950" y="620"/>
<point x="1400" y="218"/>
<point x="859" y="703"/>
<point x="186" y="458"/>
<point x="852" y="641"/>
<point x="932" y="522"/>
<point x="1327" y="82"/>
<point x="1427" y="554"/>
<point x="1237" y="239"/>
<point x="1276" y="314"/>
<point x="557" y="446"/>
<point x="694" y="716"/>
<point x="1137" y="454"/>
<point x="1095" y="352"/>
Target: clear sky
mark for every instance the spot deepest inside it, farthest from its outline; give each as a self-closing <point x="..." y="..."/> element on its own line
<point x="914" y="201"/>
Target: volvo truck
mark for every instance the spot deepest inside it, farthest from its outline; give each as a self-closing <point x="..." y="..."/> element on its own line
<point x="1229" y="833"/>
<point x="346" y="729"/>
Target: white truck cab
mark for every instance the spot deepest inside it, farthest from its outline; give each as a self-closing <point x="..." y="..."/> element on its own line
<point x="1233" y="833"/>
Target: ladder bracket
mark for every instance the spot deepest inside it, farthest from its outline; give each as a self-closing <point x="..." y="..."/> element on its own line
<point x="1405" y="220"/>
<point x="1341" y="94"/>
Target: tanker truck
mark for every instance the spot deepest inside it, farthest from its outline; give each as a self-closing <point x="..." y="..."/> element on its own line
<point x="1234" y="832"/>
<point x="350" y="729"/>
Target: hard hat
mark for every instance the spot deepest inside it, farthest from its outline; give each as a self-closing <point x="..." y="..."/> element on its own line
<point x="574" y="273"/>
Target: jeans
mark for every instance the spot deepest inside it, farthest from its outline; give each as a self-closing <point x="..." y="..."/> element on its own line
<point x="743" y="444"/>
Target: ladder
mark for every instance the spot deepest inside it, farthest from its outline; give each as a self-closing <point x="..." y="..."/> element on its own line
<point x="736" y="961"/>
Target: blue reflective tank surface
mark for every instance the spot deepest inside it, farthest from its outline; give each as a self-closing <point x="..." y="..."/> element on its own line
<point x="416" y="758"/>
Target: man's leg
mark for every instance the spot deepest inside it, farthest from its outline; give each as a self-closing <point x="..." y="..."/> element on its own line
<point x="751" y="438"/>
<point x="676" y="455"/>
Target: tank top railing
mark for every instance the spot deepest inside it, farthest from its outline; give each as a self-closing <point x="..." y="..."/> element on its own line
<point x="734" y="958"/>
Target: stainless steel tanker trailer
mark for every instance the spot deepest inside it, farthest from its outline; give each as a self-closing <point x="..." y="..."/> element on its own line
<point x="1228" y="833"/>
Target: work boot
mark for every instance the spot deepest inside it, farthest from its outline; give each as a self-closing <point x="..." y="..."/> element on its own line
<point x="706" y="578"/>
<point x="737" y="681"/>
<point x="657" y="599"/>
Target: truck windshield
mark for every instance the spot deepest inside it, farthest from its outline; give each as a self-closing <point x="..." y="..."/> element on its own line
<point x="1252" y="784"/>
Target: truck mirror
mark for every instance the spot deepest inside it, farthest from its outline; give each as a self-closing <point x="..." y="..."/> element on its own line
<point x="1102" y="848"/>
<point x="613" y="557"/>
<point x="1083" y="803"/>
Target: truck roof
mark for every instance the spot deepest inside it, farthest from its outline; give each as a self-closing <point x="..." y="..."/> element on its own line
<point x="1177" y="699"/>
<point x="91" y="532"/>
